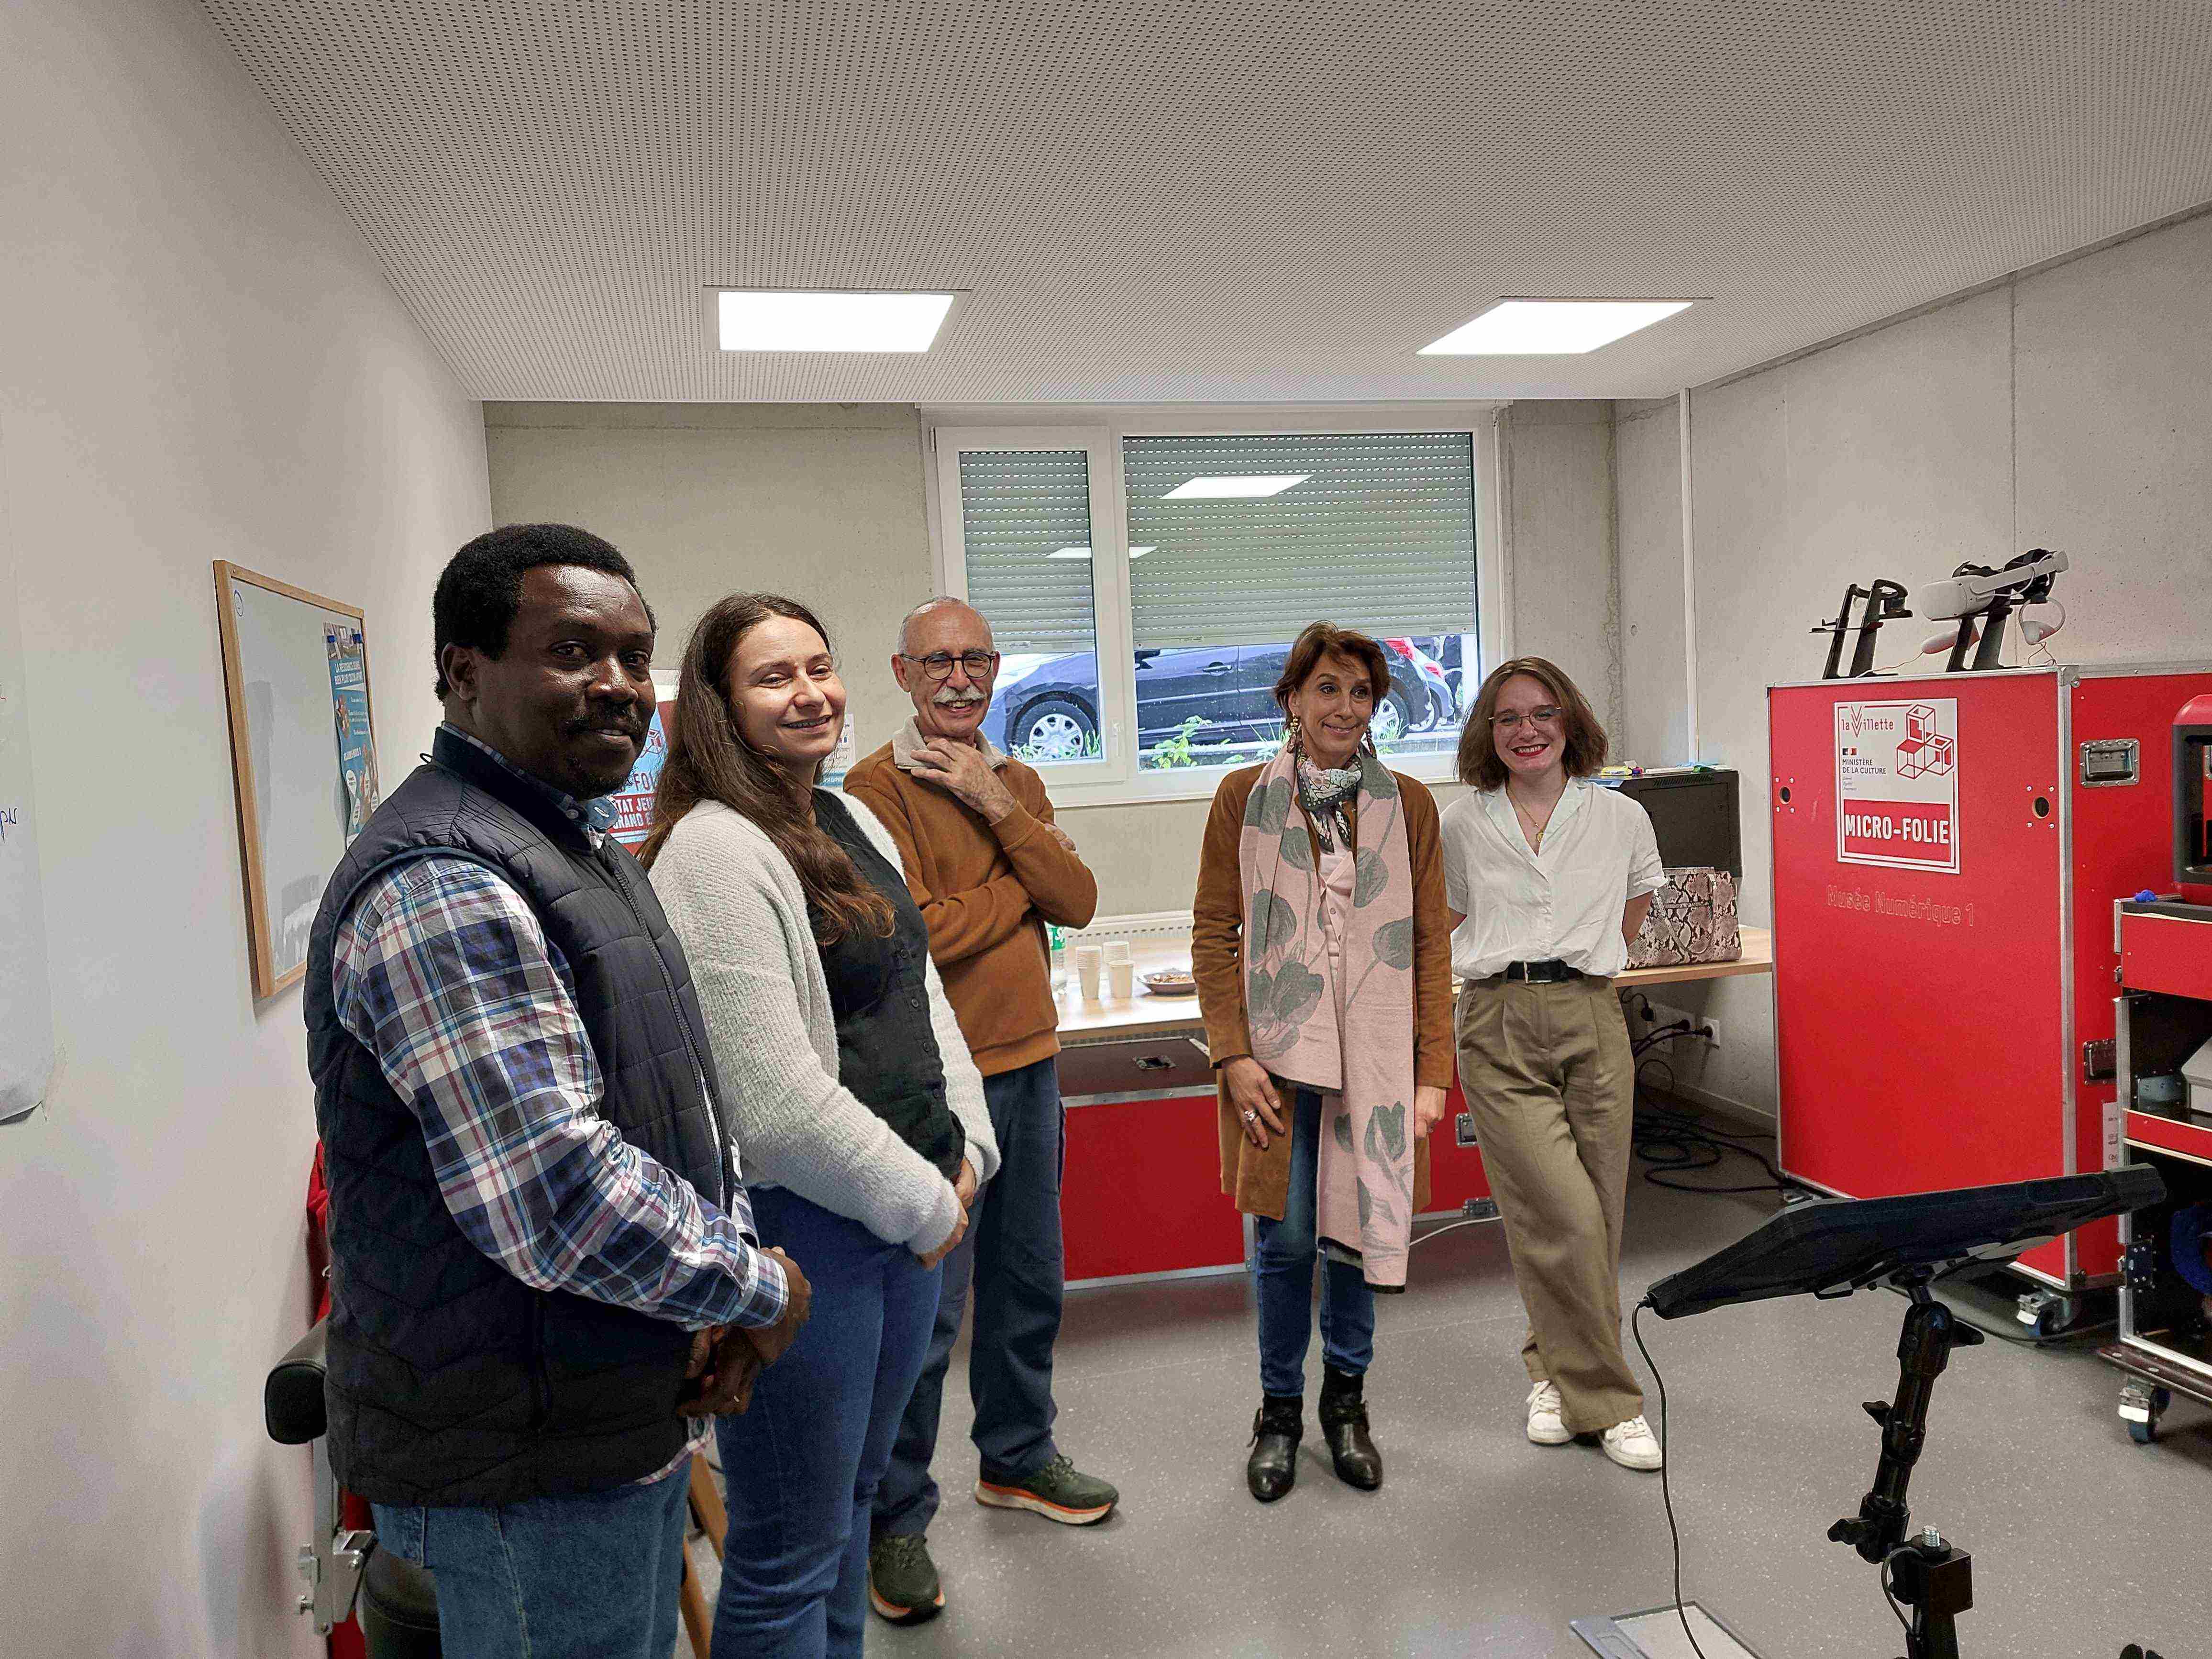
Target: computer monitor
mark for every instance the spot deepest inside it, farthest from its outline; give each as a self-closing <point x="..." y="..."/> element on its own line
<point x="1694" y="814"/>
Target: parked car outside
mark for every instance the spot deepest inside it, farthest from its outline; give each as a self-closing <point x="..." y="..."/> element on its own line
<point x="1194" y="696"/>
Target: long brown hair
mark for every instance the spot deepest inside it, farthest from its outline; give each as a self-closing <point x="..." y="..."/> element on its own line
<point x="709" y="759"/>
<point x="1478" y="765"/>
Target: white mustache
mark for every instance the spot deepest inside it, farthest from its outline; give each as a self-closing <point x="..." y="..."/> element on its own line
<point x="956" y="699"/>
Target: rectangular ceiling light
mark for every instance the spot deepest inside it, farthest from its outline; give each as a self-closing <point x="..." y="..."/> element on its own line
<point x="1550" y="328"/>
<point x="755" y="321"/>
<point x="1231" y="488"/>
<point x="1085" y="552"/>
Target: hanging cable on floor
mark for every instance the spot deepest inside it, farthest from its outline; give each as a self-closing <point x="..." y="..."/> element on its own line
<point x="1673" y="1143"/>
<point x="1666" y="1462"/>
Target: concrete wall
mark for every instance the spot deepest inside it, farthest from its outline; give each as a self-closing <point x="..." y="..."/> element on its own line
<point x="821" y="502"/>
<point x="1647" y="496"/>
<point x="827" y="503"/>
<point x="198" y="360"/>
<point x="2065" y="409"/>
<point x="1566" y="589"/>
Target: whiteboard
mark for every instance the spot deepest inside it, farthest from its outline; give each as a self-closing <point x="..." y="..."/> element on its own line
<point x="293" y="725"/>
<point x="27" y="1022"/>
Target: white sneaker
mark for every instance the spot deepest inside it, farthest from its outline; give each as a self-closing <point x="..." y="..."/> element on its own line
<point x="1631" y="1444"/>
<point x="1545" y="1426"/>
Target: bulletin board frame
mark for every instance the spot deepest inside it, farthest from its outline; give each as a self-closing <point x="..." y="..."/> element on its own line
<point x="272" y="972"/>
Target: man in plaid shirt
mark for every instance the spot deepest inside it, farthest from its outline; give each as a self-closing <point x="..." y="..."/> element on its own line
<point x="516" y="1423"/>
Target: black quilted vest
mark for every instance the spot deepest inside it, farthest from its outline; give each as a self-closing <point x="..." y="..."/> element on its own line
<point x="451" y="1381"/>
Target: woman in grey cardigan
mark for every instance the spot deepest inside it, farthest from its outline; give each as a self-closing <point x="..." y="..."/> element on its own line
<point x="857" y="1110"/>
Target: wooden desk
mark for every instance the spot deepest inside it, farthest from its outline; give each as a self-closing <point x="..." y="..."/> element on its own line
<point x="1141" y="1015"/>
<point x="1758" y="958"/>
<point x="1142" y="1197"/>
<point x="1145" y="1014"/>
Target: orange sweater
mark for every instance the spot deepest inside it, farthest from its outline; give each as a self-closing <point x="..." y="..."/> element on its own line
<point x="986" y="891"/>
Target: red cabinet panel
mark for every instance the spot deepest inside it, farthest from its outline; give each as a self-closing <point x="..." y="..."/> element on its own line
<point x="2168" y="954"/>
<point x="1456" y="1172"/>
<point x="1142" y="1190"/>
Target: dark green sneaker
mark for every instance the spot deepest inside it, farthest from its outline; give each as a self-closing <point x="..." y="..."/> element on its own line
<point x="903" y="1583"/>
<point x="1058" y="1491"/>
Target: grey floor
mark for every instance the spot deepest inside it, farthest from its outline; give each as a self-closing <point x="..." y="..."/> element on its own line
<point x="1480" y="1544"/>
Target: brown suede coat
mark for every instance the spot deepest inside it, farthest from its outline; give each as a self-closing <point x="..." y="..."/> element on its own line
<point x="1259" y="1181"/>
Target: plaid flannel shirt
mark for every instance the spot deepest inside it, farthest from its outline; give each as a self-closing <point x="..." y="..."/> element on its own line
<point x="444" y="973"/>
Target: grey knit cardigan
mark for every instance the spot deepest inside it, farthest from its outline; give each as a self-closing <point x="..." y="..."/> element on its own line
<point x="737" y="904"/>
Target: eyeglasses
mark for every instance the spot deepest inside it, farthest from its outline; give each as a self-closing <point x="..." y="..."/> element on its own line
<point x="938" y="665"/>
<point x="1510" y="720"/>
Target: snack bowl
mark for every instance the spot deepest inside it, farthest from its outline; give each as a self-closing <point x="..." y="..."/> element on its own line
<point x="1170" y="982"/>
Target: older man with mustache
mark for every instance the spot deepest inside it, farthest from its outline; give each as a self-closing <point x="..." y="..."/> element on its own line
<point x="988" y="868"/>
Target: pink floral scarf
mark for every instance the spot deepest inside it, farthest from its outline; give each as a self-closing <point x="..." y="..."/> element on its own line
<point x="1344" y="1028"/>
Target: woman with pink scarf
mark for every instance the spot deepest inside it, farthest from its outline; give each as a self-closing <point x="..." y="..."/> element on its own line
<point x="1321" y="947"/>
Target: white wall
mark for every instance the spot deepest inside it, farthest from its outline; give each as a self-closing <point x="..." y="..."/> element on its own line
<point x="198" y="360"/>
<point x="1557" y="481"/>
<point x="2066" y="409"/>
<point x="821" y="501"/>
<point x="826" y="503"/>
<point x="1647" y="473"/>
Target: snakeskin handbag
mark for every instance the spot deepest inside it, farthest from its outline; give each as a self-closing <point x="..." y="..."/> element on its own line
<point x="1693" y="919"/>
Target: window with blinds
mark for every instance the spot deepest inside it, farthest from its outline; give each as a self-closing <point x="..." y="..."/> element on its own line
<point x="1251" y="538"/>
<point x="1025" y="516"/>
<point x="1025" y="524"/>
<point x="1235" y="543"/>
<point x="1376" y="534"/>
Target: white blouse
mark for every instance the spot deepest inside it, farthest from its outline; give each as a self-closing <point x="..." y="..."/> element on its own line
<point x="1566" y="902"/>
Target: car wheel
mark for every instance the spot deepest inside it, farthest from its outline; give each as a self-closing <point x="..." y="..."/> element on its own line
<point x="1055" y="729"/>
<point x="1392" y="721"/>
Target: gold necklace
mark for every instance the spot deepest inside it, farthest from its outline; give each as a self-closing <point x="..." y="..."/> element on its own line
<point x="1529" y="822"/>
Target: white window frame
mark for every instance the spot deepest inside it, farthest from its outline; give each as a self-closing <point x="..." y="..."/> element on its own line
<point x="1117" y="780"/>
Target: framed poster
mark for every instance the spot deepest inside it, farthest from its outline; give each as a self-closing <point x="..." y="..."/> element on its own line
<point x="632" y="802"/>
<point x="303" y="754"/>
<point x="1897" y="784"/>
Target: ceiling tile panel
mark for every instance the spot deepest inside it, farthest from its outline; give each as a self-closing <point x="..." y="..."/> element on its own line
<point x="1214" y="200"/>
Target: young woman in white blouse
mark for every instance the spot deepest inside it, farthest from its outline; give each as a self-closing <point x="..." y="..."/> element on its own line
<point x="854" y="1100"/>
<point x="1548" y="878"/>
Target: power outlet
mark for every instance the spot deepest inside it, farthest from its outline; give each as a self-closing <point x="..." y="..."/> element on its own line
<point x="1662" y="1017"/>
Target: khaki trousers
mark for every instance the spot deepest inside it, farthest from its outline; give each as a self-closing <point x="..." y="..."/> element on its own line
<point x="1548" y="1075"/>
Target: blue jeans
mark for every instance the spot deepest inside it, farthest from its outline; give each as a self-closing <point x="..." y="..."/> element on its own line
<point x="1282" y="1272"/>
<point x="592" y="1577"/>
<point x="802" y="1463"/>
<point x="1012" y="1254"/>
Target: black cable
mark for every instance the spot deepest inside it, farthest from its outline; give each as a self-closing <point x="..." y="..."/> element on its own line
<point x="1884" y="1577"/>
<point x="1672" y="1142"/>
<point x="1665" y="1458"/>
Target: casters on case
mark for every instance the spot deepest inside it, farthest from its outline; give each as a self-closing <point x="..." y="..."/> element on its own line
<point x="2047" y="1313"/>
<point x="2141" y="1404"/>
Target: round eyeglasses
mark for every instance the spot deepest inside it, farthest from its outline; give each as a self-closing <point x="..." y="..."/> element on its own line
<point x="1510" y="720"/>
<point x="938" y="665"/>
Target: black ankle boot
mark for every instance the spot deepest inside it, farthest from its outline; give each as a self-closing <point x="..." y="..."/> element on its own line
<point x="1277" y="1428"/>
<point x="1344" y="1425"/>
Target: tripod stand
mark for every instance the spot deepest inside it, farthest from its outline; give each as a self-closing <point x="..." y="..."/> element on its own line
<point x="1935" y="1579"/>
<point x="1831" y="1250"/>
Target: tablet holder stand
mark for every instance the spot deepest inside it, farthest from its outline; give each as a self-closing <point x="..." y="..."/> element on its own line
<point x="1831" y="1249"/>
<point x="1934" y="1578"/>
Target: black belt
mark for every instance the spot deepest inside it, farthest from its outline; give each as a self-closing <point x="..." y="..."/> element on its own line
<point x="1550" y="971"/>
